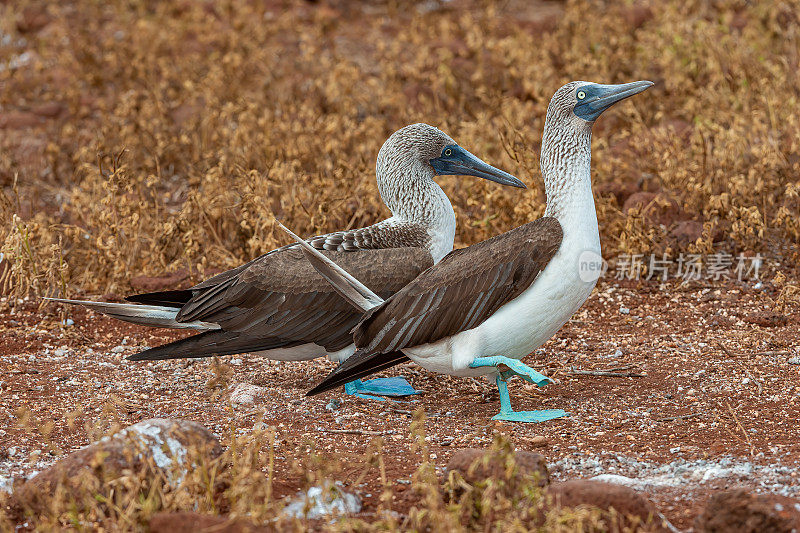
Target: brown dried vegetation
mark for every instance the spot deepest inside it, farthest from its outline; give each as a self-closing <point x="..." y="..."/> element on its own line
<point x="145" y="137"/>
<point x="239" y="485"/>
<point x="174" y="131"/>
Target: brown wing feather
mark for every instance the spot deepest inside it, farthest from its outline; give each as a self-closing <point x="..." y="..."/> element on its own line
<point x="457" y="294"/>
<point x="462" y="291"/>
<point x="281" y="295"/>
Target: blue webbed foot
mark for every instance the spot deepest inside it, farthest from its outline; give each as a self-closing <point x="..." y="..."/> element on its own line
<point x="372" y="389"/>
<point x="517" y="368"/>
<point x="531" y="416"/>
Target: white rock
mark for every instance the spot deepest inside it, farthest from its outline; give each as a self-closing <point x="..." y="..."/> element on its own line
<point x="246" y="393"/>
<point x="328" y="499"/>
<point x="621" y="480"/>
<point x="6" y="484"/>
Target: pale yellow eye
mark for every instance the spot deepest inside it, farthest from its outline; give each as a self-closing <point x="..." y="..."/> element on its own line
<point x="581" y="95"/>
<point x="448" y="152"/>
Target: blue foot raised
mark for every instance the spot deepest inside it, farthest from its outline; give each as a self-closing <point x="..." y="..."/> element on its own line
<point x="374" y="388"/>
<point x="517" y="368"/>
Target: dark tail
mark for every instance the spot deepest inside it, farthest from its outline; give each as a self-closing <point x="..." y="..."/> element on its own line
<point x="169" y="298"/>
<point x="211" y="343"/>
<point x="359" y="365"/>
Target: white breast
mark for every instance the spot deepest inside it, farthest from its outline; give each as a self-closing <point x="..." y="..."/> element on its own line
<point x="528" y="321"/>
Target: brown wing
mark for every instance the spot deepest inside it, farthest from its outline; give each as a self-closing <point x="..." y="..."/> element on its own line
<point x="457" y="294"/>
<point x="280" y="301"/>
<point x="383" y="235"/>
<point x="281" y="295"/>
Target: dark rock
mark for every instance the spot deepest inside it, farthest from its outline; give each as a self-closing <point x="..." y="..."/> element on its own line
<point x="189" y="522"/>
<point x="621" y="190"/>
<point x="627" y="509"/>
<point x="687" y="231"/>
<point x="637" y="15"/>
<point x="678" y="128"/>
<point x="476" y="465"/>
<point x="737" y="511"/>
<point x="739" y="22"/>
<point x="767" y="319"/>
<point x="17" y="120"/>
<point x="547" y="23"/>
<point x="186" y="112"/>
<point x="164" y="443"/>
<point x="48" y="109"/>
<point x="33" y="18"/>
<point x="656" y="207"/>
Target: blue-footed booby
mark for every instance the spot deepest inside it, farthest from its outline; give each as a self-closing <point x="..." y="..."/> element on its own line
<point x="279" y="307"/>
<point x="483" y="308"/>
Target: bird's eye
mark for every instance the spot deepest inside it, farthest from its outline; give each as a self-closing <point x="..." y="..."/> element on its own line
<point x="581" y="95"/>
<point x="448" y="152"/>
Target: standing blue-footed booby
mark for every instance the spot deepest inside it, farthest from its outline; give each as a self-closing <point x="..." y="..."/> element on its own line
<point x="485" y="307"/>
<point x="278" y="306"/>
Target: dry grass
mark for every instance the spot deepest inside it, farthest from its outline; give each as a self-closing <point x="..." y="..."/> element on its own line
<point x="239" y="484"/>
<point x="188" y="125"/>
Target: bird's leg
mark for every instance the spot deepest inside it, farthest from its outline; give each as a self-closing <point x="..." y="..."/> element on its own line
<point x="514" y="367"/>
<point x="373" y="388"/>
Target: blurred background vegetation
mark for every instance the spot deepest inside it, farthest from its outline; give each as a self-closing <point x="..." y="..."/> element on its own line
<point x="150" y="137"/>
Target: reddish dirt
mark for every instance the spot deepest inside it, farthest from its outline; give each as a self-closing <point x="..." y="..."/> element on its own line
<point x="714" y="383"/>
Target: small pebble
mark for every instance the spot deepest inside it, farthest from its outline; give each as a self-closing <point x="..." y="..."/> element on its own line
<point x="538" y="441"/>
<point x="675" y="449"/>
<point x="235" y="362"/>
<point x="118" y="349"/>
<point x="333" y="404"/>
<point x="794" y="361"/>
<point x="624" y="310"/>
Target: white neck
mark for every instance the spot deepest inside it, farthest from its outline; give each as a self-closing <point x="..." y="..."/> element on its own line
<point x="410" y="193"/>
<point x="566" y="168"/>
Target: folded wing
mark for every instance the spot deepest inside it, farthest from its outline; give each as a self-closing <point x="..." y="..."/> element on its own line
<point x="456" y="295"/>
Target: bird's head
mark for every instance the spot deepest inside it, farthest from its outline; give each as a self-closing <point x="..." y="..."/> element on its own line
<point x="438" y="152"/>
<point x="581" y="102"/>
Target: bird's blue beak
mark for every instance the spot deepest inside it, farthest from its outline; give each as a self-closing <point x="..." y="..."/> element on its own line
<point x="457" y="161"/>
<point x="594" y="98"/>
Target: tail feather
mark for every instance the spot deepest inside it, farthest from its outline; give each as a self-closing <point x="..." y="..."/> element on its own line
<point x="147" y="315"/>
<point x="162" y="298"/>
<point x="210" y="343"/>
<point x="359" y="365"/>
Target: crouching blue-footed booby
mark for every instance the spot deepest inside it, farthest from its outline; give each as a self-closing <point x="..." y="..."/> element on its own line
<point x="483" y="308"/>
<point x="279" y="307"/>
